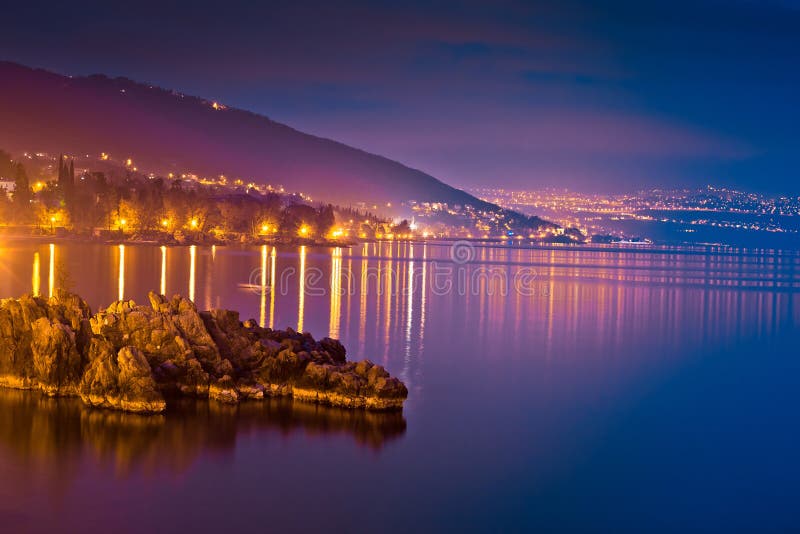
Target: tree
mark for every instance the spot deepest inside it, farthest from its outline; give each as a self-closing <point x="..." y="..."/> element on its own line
<point x="22" y="195"/>
<point x="22" y="186"/>
<point x="6" y="166"/>
<point x="5" y="207"/>
<point x="325" y="220"/>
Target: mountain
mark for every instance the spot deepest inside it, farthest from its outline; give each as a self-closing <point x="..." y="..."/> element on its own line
<point x="165" y="131"/>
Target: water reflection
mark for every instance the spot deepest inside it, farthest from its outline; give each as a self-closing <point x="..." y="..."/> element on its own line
<point x="593" y="293"/>
<point x="51" y="282"/>
<point x="121" y="288"/>
<point x="262" y="317"/>
<point x="301" y="299"/>
<point x="362" y="308"/>
<point x="336" y="293"/>
<point x="163" y="285"/>
<point x="192" y="270"/>
<point x="36" y="290"/>
<point x="45" y="432"/>
<point x="273" y="258"/>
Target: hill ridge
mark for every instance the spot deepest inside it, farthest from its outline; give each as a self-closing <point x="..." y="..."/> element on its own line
<point x="46" y="111"/>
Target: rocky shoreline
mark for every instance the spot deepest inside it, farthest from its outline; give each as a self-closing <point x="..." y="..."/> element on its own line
<point x="132" y="357"/>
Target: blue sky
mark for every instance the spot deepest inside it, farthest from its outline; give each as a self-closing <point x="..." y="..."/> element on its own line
<point x="602" y="96"/>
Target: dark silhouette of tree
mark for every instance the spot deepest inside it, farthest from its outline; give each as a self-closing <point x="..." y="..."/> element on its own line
<point x="22" y="186"/>
<point x="6" y="166"/>
<point x="22" y="195"/>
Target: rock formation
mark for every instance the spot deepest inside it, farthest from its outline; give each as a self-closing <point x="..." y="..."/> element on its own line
<point x="131" y="357"/>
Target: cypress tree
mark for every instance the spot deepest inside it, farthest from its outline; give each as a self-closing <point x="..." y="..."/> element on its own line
<point x="22" y="186"/>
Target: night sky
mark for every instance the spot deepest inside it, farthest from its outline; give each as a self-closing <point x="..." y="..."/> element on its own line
<point x="577" y="94"/>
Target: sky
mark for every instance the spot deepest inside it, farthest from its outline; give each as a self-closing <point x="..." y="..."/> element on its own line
<point x="592" y="96"/>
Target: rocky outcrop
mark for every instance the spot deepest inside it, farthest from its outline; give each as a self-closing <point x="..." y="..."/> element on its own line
<point x="131" y="357"/>
<point x="121" y="380"/>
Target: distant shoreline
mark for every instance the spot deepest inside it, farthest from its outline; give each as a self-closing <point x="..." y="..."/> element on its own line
<point x="171" y="241"/>
<point x="654" y="248"/>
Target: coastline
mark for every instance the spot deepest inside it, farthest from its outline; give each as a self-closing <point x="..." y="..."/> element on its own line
<point x="169" y="240"/>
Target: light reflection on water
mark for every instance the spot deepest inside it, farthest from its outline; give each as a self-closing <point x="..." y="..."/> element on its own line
<point x="531" y="388"/>
<point x="600" y="294"/>
<point x="611" y="290"/>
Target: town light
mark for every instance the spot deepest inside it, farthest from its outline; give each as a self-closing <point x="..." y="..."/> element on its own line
<point x="264" y="228"/>
<point x="164" y="223"/>
<point x="304" y="230"/>
<point x="193" y="223"/>
<point x="122" y="222"/>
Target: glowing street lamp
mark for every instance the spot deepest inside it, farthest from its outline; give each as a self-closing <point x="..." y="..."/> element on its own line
<point x="193" y="223"/>
<point x="304" y="230"/>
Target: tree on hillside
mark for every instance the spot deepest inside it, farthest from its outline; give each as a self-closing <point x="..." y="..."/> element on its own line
<point x="22" y="186"/>
<point x="6" y="166"/>
<point x="325" y="220"/>
<point x="5" y="207"/>
<point x="22" y="195"/>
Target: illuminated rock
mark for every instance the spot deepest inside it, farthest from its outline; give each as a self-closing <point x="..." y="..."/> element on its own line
<point x="121" y="380"/>
<point x="130" y="357"/>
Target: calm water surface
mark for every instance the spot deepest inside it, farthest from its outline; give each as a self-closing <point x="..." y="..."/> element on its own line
<point x="589" y="390"/>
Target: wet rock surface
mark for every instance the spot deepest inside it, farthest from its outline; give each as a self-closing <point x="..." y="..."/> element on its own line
<point x="131" y="357"/>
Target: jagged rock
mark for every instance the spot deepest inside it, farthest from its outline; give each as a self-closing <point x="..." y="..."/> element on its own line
<point x="335" y="348"/>
<point x="56" y="361"/>
<point x="128" y="356"/>
<point x="16" y="357"/>
<point x="121" y="380"/>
